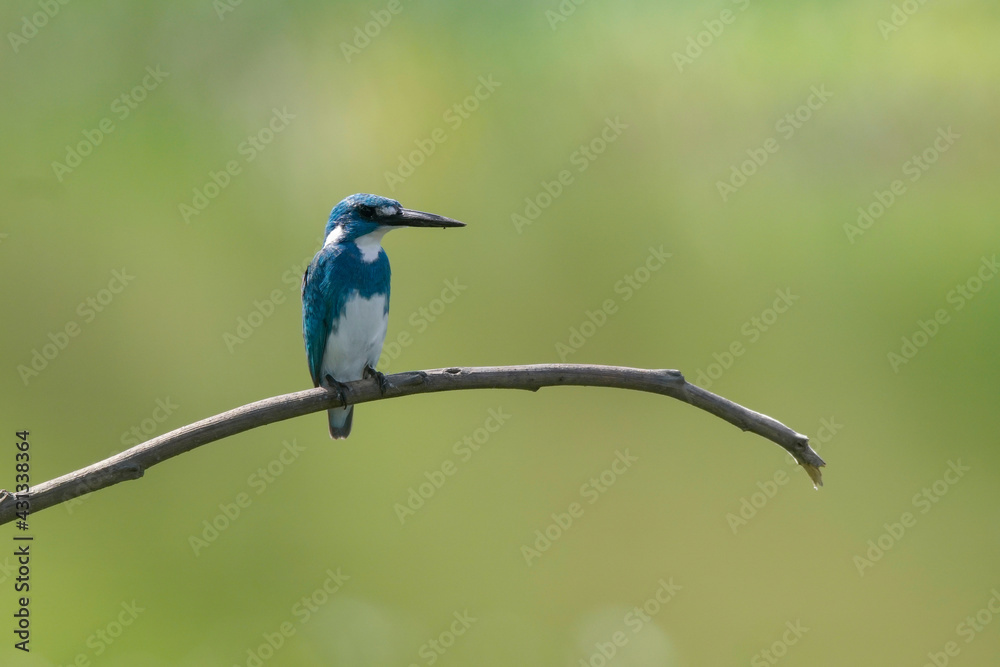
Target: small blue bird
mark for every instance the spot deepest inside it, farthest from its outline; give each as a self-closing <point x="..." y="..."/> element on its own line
<point x="345" y="295"/>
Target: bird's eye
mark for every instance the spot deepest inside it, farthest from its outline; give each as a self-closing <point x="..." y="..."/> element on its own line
<point x="366" y="211"/>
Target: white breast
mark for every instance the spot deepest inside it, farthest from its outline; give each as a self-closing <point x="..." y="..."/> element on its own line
<point x="357" y="340"/>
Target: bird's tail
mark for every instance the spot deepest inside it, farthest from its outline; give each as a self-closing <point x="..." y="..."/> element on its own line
<point x="340" y="421"/>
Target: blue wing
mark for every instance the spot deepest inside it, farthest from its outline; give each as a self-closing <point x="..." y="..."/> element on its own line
<point x="321" y="302"/>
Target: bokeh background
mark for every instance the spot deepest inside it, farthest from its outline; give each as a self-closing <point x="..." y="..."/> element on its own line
<point x="303" y="108"/>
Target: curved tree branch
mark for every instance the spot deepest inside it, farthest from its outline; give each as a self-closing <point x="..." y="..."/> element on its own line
<point x="132" y="463"/>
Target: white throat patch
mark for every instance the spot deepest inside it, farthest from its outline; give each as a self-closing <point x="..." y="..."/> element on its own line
<point x="371" y="244"/>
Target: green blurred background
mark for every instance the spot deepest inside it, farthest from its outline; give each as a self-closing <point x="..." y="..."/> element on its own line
<point x="345" y="116"/>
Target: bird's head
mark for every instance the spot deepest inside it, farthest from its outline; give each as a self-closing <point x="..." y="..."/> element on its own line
<point x="363" y="214"/>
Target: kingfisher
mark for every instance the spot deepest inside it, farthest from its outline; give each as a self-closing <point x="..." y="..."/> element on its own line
<point x="345" y="295"/>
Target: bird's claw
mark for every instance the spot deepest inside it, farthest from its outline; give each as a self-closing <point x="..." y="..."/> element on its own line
<point x="338" y="388"/>
<point x="380" y="377"/>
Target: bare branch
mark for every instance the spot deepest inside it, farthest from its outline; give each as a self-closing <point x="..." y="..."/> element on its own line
<point x="132" y="463"/>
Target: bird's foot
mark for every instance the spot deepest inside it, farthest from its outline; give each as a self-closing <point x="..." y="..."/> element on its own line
<point x="338" y="388"/>
<point x="370" y="372"/>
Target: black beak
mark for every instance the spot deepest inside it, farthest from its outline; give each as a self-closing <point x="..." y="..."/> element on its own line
<point x="410" y="218"/>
